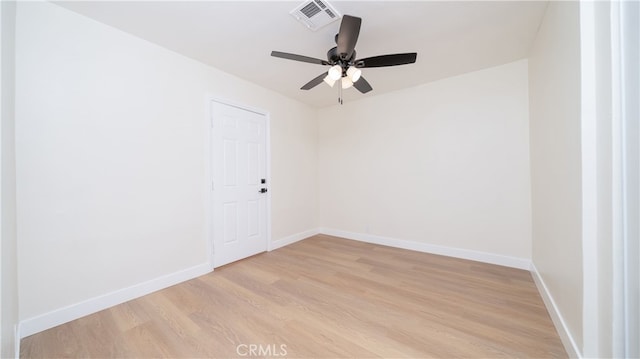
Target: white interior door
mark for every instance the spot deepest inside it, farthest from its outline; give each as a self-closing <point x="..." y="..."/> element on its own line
<point x="239" y="169"/>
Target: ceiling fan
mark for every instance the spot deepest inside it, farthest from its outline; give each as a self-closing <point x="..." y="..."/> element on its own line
<point x="342" y="59"/>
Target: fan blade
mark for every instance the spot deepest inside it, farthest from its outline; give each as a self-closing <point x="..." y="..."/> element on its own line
<point x="295" y="57"/>
<point x="362" y="85"/>
<point x="348" y="35"/>
<point x="315" y="82"/>
<point x="387" y="60"/>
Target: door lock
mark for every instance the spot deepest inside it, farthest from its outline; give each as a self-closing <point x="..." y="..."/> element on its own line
<point x="263" y="190"/>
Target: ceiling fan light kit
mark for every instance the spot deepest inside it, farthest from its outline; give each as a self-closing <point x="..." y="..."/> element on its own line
<point x="342" y="59"/>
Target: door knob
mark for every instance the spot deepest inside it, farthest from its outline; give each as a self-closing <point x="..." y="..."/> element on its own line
<point x="263" y="190"/>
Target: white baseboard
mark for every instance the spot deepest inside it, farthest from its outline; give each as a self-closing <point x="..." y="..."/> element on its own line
<point x="66" y="314"/>
<point x="563" y="331"/>
<point x="292" y="239"/>
<point x="492" y="258"/>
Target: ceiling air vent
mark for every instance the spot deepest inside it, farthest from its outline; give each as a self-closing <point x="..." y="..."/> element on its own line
<point x="315" y="14"/>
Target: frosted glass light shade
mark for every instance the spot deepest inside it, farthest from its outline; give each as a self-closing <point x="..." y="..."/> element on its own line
<point x="335" y="72"/>
<point x="346" y="82"/>
<point x="354" y="73"/>
<point x="329" y="80"/>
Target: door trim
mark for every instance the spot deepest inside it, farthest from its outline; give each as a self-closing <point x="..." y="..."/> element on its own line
<point x="208" y="205"/>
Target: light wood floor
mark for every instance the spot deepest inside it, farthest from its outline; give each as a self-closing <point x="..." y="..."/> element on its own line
<point x="319" y="298"/>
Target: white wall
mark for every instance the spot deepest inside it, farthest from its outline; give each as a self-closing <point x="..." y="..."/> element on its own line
<point x="8" y="241"/>
<point x="443" y="164"/>
<point x="294" y="151"/>
<point x="111" y="146"/>
<point x="555" y="128"/>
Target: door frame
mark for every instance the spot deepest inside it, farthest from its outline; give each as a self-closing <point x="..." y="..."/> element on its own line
<point x="208" y="166"/>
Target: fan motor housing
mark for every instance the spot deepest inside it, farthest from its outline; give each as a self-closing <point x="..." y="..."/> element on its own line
<point x="334" y="58"/>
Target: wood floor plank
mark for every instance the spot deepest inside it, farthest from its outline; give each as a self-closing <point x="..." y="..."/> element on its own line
<point x="323" y="297"/>
<point x="129" y="315"/>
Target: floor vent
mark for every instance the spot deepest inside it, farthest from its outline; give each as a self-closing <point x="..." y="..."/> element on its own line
<point x="315" y="14"/>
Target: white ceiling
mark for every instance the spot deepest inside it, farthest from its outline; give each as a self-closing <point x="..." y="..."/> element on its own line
<point x="450" y="37"/>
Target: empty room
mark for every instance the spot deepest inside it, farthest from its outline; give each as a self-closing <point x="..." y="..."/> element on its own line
<point x="320" y="179"/>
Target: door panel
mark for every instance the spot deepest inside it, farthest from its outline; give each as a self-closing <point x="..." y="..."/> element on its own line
<point x="230" y="162"/>
<point x="238" y="154"/>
